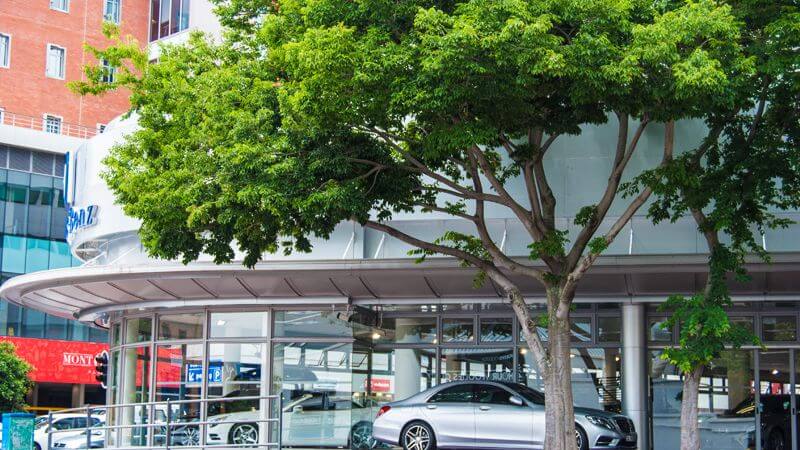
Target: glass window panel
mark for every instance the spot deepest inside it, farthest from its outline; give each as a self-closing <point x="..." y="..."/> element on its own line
<point x="138" y="330"/>
<point x="180" y="326"/>
<point x="16" y="208"/>
<point x="234" y="370"/>
<point x="458" y="330"/>
<point x="581" y="329"/>
<point x="40" y="204"/>
<point x="477" y="364"/>
<point x="779" y="328"/>
<point x="58" y="221"/>
<point x="32" y="323"/>
<point x="496" y="330"/>
<point x="406" y="330"/>
<point x="609" y="329"/>
<point x="164" y="21"/>
<point x="80" y="332"/>
<point x="13" y="320"/>
<point x="155" y="8"/>
<point x="462" y="393"/>
<point x="178" y="377"/>
<point x="239" y="324"/>
<point x="398" y="374"/>
<point x="185" y="5"/>
<point x="656" y="331"/>
<point x="98" y="335"/>
<point x="312" y="324"/>
<point x="37" y="255"/>
<point x="175" y="14"/>
<point x="726" y="400"/>
<point x="116" y="337"/>
<point x="14" y="248"/>
<point x="317" y="386"/>
<point x="135" y="385"/>
<point x="60" y="255"/>
<point x="55" y="328"/>
<point x="745" y="322"/>
<point x="596" y="379"/>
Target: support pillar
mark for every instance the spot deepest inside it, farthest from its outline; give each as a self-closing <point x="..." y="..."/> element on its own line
<point x="634" y="369"/>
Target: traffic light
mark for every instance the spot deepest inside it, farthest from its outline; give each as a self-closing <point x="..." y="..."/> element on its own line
<point x="101" y="368"/>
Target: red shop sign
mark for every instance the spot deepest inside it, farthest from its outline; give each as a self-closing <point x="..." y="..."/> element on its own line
<point x="56" y="361"/>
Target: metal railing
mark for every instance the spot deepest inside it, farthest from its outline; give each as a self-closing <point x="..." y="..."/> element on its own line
<point x="41" y="124"/>
<point x="159" y="433"/>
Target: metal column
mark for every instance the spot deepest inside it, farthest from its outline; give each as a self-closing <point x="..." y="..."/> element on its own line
<point x="634" y="369"/>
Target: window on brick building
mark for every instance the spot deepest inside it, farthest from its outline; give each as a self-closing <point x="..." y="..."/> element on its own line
<point x="56" y="61"/>
<point x="60" y="5"/>
<point x="51" y="124"/>
<point x="109" y="72"/>
<point x="168" y="17"/>
<point x="5" y="50"/>
<point x="111" y="11"/>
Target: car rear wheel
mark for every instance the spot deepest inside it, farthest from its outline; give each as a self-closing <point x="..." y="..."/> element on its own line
<point x="244" y="434"/>
<point x="361" y="436"/>
<point x="418" y="436"/>
<point x="581" y="441"/>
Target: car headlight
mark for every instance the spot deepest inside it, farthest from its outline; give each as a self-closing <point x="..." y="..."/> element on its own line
<point x="603" y="422"/>
<point x="216" y="419"/>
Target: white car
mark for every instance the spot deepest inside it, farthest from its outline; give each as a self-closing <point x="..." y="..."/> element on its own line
<point x="309" y="420"/>
<point x="64" y="425"/>
<point x="78" y="441"/>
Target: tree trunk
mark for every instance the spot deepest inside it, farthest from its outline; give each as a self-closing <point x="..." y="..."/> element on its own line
<point x="555" y="366"/>
<point x="559" y="411"/>
<point x="690" y="433"/>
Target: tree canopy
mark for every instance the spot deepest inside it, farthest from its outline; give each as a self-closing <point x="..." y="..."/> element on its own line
<point x="15" y="382"/>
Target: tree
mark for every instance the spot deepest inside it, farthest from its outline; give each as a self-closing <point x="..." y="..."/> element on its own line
<point x="744" y="172"/>
<point x="310" y="113"/>
<point x="14" y="379"/>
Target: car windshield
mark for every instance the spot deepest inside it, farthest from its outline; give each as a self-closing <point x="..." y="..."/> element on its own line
<point x="532" y="395"/>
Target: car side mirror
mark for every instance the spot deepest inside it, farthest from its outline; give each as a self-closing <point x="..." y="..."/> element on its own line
<point x="514" y="400"/>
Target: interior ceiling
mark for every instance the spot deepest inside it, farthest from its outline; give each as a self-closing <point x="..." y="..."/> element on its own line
<point x="76" y="291"/>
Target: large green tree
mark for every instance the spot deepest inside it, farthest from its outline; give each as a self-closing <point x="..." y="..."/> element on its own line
<point x="314" y="112"/>
<point x="734" y="184"/>
<point x="15" y="382"/>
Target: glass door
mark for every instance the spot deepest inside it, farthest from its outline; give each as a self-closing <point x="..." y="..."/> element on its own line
<point x="776" y="423"/>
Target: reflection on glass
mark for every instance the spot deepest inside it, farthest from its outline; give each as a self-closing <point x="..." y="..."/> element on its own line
<point x="235" y="371"/>
<point x="496" y="330"/>
<point x="779" y="328"/>
<point x="477" y="364"/>
<point x="581" y="329"/>
<point x="317" y="385"/>
<point x="745" y="322"/>
<point x="136" y="384"/>
<point x="656" y="331"/>
<point x="399" y="373"/>
<point x="313" y="324"/>
<point x="180" y="326"/>
<point x="457" y="330"/>
<point x="239" y="324"/>
<point x="138" y="330"/>
<point x="178" y="377"/>
<point x="609" y="329"/>
<point x="115" y="335"/>
<point x="406" y="330"/>
<point x="726" y="402"/>
<point x="595" y="376"/>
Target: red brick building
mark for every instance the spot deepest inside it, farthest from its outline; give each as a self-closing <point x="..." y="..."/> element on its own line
<point x="42" y="49"/>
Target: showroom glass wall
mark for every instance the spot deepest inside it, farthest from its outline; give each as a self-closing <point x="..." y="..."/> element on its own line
<point x="334" y="367"/>
<point x="729" y="417"/>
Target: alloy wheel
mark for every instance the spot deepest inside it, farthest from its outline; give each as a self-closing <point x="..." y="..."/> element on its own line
<point x="361" y="437"/>
<point x="245" y="434"/>
<point x="417" y="437"/>
<point x="192" y="436"/>
<point x="578" y="439"/>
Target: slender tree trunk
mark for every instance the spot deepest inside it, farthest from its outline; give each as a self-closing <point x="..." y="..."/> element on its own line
<point x="559" y="413"/>
<point x="690" y="432"/>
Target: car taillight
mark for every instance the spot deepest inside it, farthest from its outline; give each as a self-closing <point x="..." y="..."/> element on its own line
<point x="384" y="409"/>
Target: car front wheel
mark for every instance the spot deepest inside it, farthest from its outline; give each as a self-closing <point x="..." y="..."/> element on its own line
<point x="418" y="436"/>
<point x="581" y="441"/>
<point x="244" y="434"/>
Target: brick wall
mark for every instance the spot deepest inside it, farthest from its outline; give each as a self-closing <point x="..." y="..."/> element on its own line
<point x="24" y="87"/>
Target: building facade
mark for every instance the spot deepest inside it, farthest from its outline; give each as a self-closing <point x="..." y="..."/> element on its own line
<point x="357" y="323"/>
<point x="41" y="51"/>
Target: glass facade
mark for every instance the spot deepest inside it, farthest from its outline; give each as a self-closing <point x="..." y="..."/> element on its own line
<point x="333" y="368"/>
<point x="32" y="227"/>
<point x="168" y="17"/>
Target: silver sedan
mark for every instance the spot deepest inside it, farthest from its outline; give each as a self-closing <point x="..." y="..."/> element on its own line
<point x="486" y="415"/>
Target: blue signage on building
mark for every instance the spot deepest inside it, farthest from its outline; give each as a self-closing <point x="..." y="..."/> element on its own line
<point x="194" y="373"/>
<point x="79" y="218"/>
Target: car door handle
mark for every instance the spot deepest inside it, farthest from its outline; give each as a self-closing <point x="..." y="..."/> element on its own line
<point x="485" y="408"/>
<point x="432" y="406"/>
